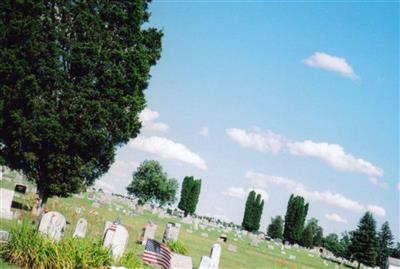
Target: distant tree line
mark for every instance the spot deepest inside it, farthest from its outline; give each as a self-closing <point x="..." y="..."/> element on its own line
<point x="365" y="244"/>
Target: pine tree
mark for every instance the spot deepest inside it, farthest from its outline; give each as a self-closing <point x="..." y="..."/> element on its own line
<point x="190" y="193"/>
<point x="319" y="234"/>
<point x="307" y="236"/>
<point x="296" y="214"/>
<point x="253" y="211"/>
<point x="364" y="243"/>
<point x="385" y="242"/>
<point x="275" y="229"/>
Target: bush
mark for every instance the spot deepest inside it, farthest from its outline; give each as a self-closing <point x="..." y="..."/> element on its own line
<point x="27" y="248"/>
<point x="131" y="261"/>
<point x="177" y="247"/>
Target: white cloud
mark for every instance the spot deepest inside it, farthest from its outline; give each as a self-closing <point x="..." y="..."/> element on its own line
<point x="398" y="186"/>
<point x="379" y="183"/>
<point x="335" y="217"/>
<point x="148" y="117"/>
<point x="238" y="192"/>
<point x="118" y="176"/>
<point x="335" y="156"/>
<point x="327" y="197"/>
<point x="377" y="210"/>
<point x="204" y="131"/>
<point x="263" y="141"/>
<point x="235" y="192"/>
<point x="263" y="193"/>
<point x="168" y="149"/>
<point x="331" y="63"/>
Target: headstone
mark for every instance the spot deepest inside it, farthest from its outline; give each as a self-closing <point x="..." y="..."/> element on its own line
<point x="270" y="247"/>
<point x="171" y="232"/>
<point x="232" y="248"/>
<point x="215" y="256"/>
<point x="292" y="257"/>
<point x="6" y="198"/>
<point x="53" y="224"/>
<point x="80" y="229"/>
<point x="204" y="234"/>
<point x="205" y="262"/>
<point x="254" y="242"/>
<point x="196" y="224"/>
<point x="20" y="188"/>
<point x="148" y="232"/>
<point x="116" y="238"/>
<point x="4" y="235"/>
<point x="179" y="261"/>
<point x="223" y="238"/>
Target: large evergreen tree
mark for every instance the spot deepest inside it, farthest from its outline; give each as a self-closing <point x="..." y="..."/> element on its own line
<point x="296" y="214"/>
<point x="385" y="243"/>
<point x="318" y="236"/>
<point x="253" y="211"/>
<point x="364" y="243"/>
<point x="190" y="193"/>
<point x="151" y="184"/>
<point x="72" y="76"/>
<point x="275" y="229"/>
<point x="310" y="233"/>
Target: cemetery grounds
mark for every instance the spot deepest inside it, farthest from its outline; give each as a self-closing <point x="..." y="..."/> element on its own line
<point x="267" y="255"/>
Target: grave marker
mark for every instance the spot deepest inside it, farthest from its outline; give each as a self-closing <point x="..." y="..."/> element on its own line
<point x="116" y="238"/>
<point x="6" y="198"/>
<point x="53" y="224"/>
<point x="80" y="229"/>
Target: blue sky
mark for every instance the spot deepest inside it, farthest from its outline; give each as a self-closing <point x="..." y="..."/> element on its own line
<point x="280" y="98"/>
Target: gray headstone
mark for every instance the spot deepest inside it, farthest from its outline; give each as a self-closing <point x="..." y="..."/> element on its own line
<point x="53" y="224"/>
<point x="179" y="261"/>
<point x="4" y="235"/>
<point x="116" y="238"/>
<point x="80" y="229"/>
<point x="171" y="232"/>
<point x="6" y="198"/>
<point x="149" y="232"/>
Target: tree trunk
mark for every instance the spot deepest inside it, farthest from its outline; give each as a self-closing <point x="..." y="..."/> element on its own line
<point x="40" y="203"/>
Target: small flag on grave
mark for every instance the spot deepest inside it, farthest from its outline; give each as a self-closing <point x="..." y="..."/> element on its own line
<point x="157" y="253"/>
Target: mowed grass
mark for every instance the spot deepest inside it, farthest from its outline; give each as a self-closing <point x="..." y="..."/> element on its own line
<point x="245" y="257"/>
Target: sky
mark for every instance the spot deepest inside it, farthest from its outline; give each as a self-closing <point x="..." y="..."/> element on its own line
<point x="279" y="98"/>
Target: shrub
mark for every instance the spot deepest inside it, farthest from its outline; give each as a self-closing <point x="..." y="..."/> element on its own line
<point x="131" y="261"/>
<point x="177" y="247"/>
<point x="27" y="248"/>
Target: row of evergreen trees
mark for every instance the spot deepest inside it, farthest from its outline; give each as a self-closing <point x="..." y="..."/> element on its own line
<point x="364" y="245"/>
<point x="253" y="211"/>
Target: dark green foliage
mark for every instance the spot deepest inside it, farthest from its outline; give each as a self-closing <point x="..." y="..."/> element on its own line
<point x="395" y="251"/>
<point x="151" y="184"/>
<point x="385" y="242"/>
<point x="345" y="242"/>
<point x="72" y="76"/>
<point x="190" y="193"/>
<point x="364" y="243"/>
<point x="295" y="217"/>
<point x="318" y="236"/>
<point x="253" y="211"/>
<point x="27" y="248"/>
<point x="275" y="229"/>
<point x="331" y="243"/>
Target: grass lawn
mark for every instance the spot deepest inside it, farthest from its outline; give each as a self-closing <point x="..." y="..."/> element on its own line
<point x="4" y="265"/>
<point x="266" y="255"/>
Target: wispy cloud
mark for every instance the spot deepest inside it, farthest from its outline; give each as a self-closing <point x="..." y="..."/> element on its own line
<point x="335" y="156"/>
<point x="148" y="118"/>
<point x="331" y="63"/>
<point x="379" y="182"/>
<point x="168" y="149"/>
<point x="332" y="154"/>
<point x="241" y="193"/>
<point x="335" y="217"/>
<point x="263" y="141"/>
<point x="334" y="199"/>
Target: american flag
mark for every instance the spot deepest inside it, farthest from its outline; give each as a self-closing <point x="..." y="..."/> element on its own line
<point x="113" y="227"/>
<point x="157" y="253"/>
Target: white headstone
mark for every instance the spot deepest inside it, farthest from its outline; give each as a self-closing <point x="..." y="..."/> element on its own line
<point x="80" y="229"/>
<point x="215" y="256"/>
<point x="116" y="237"/>
<point x="204" y="234"/>
<point x="53" y="224"/>
<point x="205" y="262"/>
<point x="171" y="232"/>
<point x="149" y="232"/>
<point x="6" y="198"/>
<point x="179" y="261"/>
